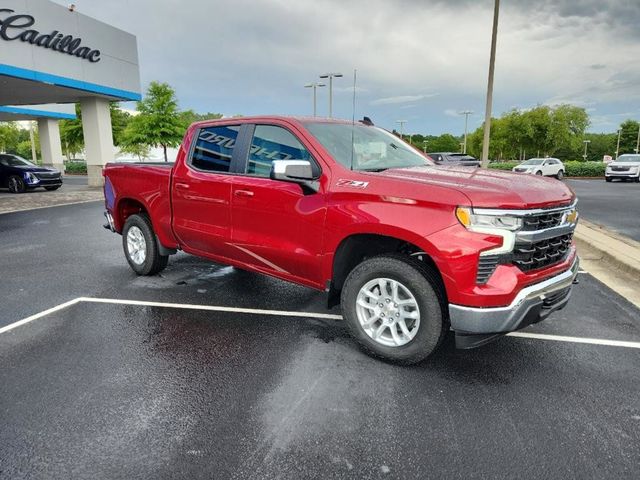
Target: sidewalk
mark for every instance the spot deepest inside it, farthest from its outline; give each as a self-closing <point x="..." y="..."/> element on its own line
<point x="67" y="194"/>
<point x="611" y="258"/>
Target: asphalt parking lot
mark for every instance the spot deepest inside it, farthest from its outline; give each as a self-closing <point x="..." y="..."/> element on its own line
<point x="613" y="205"/>
<point x="144" y="379"/>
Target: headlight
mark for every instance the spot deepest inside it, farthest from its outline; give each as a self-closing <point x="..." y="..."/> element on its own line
<point x="499" y="225"/>
<point x="476" y="222"/>
<point x="30" y="178"/>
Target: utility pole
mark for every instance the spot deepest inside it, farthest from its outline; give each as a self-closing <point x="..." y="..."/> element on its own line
<point x="466" y="114"/>
<point x="586" y="142"/>
<point x="401" y="122"/>
<point x="492" y="61"/>
<point x="32" y="137"/>
<point x="331" y="76"/>
<point x="314" y="85"/>
<point x="618" y="146"/>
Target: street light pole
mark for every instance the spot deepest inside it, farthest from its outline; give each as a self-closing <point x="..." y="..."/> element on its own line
<point x="586" y="142"/>
<point x="466" y="114"/>
<point x="492" y="61"/>
<point x="401" y="122"/>
<point x="638" y="141"/>
<point x="618" y="146"/>
<point x="314" y="85"/>
<point x="331" y="76"/>
<point x="424" y="146"/>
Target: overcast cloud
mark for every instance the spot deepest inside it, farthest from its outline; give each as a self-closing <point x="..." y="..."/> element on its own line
<point x="416" y="60"/>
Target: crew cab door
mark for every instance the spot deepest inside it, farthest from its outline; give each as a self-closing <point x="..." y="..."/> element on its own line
<point x="277" y="226"/>
<point x="201" y="190"/>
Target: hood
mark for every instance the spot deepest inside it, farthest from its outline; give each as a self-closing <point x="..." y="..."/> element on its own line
<point x="28" y="168"/>
<point x="490" y="188"/>
<point x="623" y="164"/>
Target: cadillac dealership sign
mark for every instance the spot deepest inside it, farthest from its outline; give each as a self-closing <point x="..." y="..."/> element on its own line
<point x="17" y="27"/>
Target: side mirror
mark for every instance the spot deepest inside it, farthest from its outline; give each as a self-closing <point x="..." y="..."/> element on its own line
<point x="297" y="171"/>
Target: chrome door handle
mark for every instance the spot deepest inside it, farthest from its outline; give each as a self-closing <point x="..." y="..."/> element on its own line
<point x="184" y="186"/>
<point x="243" y="193"/>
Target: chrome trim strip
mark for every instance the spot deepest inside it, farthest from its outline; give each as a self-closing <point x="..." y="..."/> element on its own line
<point x="523" y="213"/>
<point x="506" y="319"/>
<point x="539" y="235"/>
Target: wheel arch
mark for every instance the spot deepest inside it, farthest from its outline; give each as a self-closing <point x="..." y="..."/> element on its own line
<point x="357" y="247"/>
<point x="126" y="207"/>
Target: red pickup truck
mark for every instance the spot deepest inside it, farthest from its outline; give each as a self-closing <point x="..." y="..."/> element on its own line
<point x="409" y="249"/>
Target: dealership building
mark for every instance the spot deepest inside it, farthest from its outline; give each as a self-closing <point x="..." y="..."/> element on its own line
<point x="51" y="58"/>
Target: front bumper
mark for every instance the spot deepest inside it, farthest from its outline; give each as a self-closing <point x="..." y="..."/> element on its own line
<point x="531" y="305"/>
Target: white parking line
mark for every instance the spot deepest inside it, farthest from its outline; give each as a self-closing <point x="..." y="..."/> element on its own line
<point x="560" y="338"/>
<point x="44" y="313"/>
<point x="288" y="313"/>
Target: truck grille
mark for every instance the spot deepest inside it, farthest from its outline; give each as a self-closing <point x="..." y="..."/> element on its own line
<point x="532" y="256"/>
<point x="542" y="221"/>
<point x="620" y="169"/>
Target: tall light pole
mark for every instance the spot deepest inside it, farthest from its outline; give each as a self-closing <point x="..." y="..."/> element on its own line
<point x="466" y="114"/>
<point x="618" y="146"/>
<point x="492" y="62"/>
<point x="314" y="85"/>
<point x="424" y="146"/>
<point x="331" y="76"/>
<point x="401" y="122"/>
<point x="586" y="142"/>
<point x="638" y="141"/>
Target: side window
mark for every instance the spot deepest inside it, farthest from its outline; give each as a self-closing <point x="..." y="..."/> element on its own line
<point x="271" y="143"/>
<point x="214" y="147"/>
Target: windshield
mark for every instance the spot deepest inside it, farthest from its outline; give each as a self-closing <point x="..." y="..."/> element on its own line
<point x="373" y="149"/>
<point x="16" y="161"/>
<point x="629" y="158"/>
<point x="533" y="161"/>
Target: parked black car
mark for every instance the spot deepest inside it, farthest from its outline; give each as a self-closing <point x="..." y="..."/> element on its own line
<point x="450" y="158"/>
<point x="20" y="175"/>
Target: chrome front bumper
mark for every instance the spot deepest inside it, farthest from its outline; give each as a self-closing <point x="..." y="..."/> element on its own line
<point x="532" y="304"/>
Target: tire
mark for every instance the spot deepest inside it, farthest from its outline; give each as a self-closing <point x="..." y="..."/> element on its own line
<point x="140" y="246"/>
<point x="52" y="188"/>
<point x="637" y="179"/>
<point x="539" y="172"/>
<point x="560" y="175"/>
<point x="426" y="298"/>
<point x="16" y="184"/>
<point x="607" y="179"/>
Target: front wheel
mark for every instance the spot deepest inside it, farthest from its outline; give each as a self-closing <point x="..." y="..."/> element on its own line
<point x="50" y="189"/>
<point x="393" y="306"/>
<point x="16" y="184"/>
<point x="539" y="173"/>
<point x="607" y="179"/>
<point x="140" y="246"/>
<point x="560" y="175"/>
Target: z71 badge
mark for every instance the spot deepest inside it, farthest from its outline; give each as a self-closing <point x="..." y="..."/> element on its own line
<point x="351" y="183"/>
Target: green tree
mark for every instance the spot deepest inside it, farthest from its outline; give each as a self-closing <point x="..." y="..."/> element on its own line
<point x="119" y="121"/>
<point x="9" y="136"/>
<point x="159" y="123"/>
<point x="71" y="135"/>
<point x="629" y="136"/>
<point x="189" y="116"/>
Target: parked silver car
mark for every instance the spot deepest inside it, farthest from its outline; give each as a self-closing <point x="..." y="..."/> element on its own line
<point x="626" y="166"/>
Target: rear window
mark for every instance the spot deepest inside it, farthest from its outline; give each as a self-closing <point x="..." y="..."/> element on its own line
<point x="214" y="148"/>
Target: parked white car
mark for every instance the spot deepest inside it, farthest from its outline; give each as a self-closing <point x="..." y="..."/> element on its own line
<point x="625" y="167"/>
<point x="549" y="167"/>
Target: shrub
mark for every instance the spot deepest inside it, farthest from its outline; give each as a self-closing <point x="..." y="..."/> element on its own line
<point x="79" y="168"/>
<point x="503" y="165"/>
<point x="585" y="169"/>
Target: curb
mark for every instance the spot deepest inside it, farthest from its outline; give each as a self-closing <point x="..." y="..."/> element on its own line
<point x="609" y="247"/>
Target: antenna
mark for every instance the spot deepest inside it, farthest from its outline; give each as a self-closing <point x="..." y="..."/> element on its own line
<point x="353" y="116"/>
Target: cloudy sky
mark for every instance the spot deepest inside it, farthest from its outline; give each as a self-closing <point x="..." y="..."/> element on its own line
<point x="417" y="60"/>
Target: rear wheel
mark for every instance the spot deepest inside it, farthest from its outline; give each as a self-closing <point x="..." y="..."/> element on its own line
<point x="539" y="172"/>
<point x="393" y="306"/>
<point x="141" y="247"/>
<point x="560" y="175"/>
<point x="16" y="184"/>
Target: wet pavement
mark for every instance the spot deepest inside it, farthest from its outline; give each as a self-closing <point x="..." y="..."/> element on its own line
<point x="612" y="205"/>
<point x="104" y="390"/>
